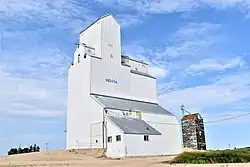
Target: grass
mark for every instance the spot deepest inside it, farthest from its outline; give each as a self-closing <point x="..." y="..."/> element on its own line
<point x="218" y="156"/>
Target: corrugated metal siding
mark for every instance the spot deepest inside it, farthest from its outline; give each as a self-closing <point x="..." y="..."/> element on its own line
<point x="133" y="126"/>
<point x="126" y="104"/>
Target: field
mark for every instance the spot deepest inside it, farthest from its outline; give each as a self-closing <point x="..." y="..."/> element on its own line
<point x="63" y="159"/>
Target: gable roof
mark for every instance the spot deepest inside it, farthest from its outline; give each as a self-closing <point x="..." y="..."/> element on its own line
<point x="133" y="126"/>
<point x="191" y="116"/>
<point x="97" y="21"/>
<point x="109" y="102"/>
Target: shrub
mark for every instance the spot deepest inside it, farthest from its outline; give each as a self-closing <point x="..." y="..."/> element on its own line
<point x="224" y="156"/>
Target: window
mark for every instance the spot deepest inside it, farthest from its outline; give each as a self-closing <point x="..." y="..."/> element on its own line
<point x="118" y="138"/>
<point x="78" y="58"/>
<point x="96" y="141"/>
<point x="111" y="56"/>
<point x="145" y="137"/>
<point x="110" y="139"/>
<point x="85" y="55"/>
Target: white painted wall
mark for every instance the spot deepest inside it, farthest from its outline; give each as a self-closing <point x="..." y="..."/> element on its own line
<point x="92" y="37"/>
<point x="115" y="149"/>
<point x="111" y="41"/>
<point x="143" y="88"/>
<point x="101" y="72"/>
<point x="85" y="115"/>
<point x="136" y="146"/>
<point x="138" y="66"/>
<point x="78" y="104"/>
<point x="127" y="85"/>
<point x="96" y="128"/>
<point x="168" y="143"/>
<point x="170" y="140"/>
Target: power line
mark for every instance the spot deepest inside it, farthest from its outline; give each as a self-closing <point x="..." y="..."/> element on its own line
<point x="226" y="119"/>
<point x="207" y="122"/>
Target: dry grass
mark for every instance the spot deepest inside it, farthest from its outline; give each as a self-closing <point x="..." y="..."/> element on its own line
<point x="87" y="159"/>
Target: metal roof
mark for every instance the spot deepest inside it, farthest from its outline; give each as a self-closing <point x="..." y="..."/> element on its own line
<point x="127" y="57"/>
<point x="142" y="73"/>
<point x="97" y="21"/>
<point x="133" y="126"/>
<point x="191" y="116"/>
<point x="127" y="104"/>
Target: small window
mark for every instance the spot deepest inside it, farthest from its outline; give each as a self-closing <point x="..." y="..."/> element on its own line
<point x="85" y="55"/>
<point x="96" y="141"/>
<point x="111" y="56"/>
<point x="118" y="138"/>
<point x="79" y="58"/>
<point x="145" y="137"/>
<point x="110" y="45"/>
<point x="110" y="139"/>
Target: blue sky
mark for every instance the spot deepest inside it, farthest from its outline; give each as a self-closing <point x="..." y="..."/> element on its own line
<point x="197" y="49"/>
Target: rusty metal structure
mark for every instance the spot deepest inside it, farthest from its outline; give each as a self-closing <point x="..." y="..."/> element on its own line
<point x="193" y="133"/>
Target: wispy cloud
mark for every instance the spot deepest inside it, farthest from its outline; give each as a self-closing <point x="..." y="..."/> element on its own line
<point x="63" y="14"/>
<point x="30" y="87"/>
<point x="213" y="65"/>
<point x="192" y="40"/>
<point x="187" y="45"/>
<point x="126" y="20"/>
<point x="227" y="89"/>
<point x="158" y="72"/>
<point x="135" y="50"/>
<point x="170" y="6"/>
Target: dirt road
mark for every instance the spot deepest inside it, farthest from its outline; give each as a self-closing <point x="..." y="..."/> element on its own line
<point x="66" y="159"/>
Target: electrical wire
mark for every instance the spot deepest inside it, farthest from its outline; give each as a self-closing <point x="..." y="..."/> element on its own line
<point x="207" y="122"/>
<point x="226" y="119"/>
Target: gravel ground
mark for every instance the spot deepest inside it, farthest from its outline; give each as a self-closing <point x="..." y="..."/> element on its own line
<point x="63" y="159"/>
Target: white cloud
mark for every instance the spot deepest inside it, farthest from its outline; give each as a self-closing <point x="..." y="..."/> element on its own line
<point x="212" y="64"/>
<point x="192" y="40"/>
<point x="225" y="3"/>
<point x="126" y="20"/>
<point x="155" y="6"/>
<point x="167" y="87"/>
<point x="158" y="72"/>
<point x="64" y="14"/>
<point x="33" y="85"/>
<point x="226" y="89"/>
<point x="189" y="43"/>
<point x="156" y="68"/>
<point x="171" y="6"/>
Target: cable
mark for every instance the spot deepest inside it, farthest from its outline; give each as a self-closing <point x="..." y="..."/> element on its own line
<point x="207" y="122"/>
<point x="226" y="119"/>
<point x="220" y="120"/>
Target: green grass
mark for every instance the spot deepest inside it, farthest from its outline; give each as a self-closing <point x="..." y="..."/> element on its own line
<point x="219" y="156"/>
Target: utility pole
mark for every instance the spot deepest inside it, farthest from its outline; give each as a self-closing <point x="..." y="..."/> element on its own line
<point x="46" y="146"/>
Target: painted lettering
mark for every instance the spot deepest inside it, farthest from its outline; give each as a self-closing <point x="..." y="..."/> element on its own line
<point x="111" y="81"/>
